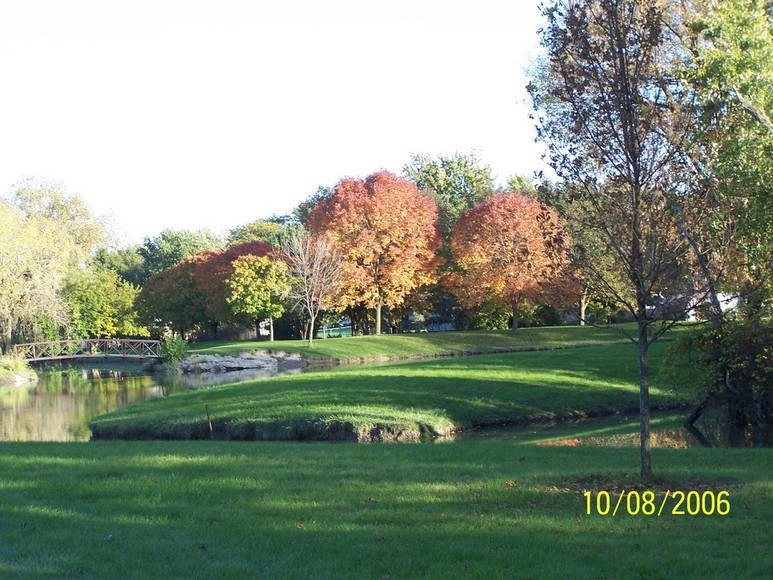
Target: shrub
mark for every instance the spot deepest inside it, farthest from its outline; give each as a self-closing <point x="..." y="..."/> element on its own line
<point x="173" y="350"/>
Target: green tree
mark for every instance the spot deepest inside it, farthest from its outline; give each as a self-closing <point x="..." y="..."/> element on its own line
<point x="171" y="247"/>
<point x="259" y="288"/>
<point x="126" y="262"/>
<point x="102" y="306"/>
<point x="80" y="233"/>
<point x="263" y="230"/>
<point x="731" y="74"/>
<point x="33" y="265"/>
<point x="458" y="182"/>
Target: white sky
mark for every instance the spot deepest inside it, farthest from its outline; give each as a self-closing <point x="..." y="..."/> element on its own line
<point x="196" y="114"/>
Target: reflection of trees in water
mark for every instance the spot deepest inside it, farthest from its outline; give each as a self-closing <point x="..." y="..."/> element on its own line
<point x="58" y="407"/>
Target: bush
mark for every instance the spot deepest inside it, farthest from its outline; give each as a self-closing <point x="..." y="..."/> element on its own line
<point x="732" y="364"/>
<point x="173" y="350"/>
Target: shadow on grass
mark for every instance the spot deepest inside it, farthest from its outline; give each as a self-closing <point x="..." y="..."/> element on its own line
<point x="208" y="509"/>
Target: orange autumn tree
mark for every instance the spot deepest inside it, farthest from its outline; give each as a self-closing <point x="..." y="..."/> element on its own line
<point x="387" y="231"/>
<point x="508" y="249"/>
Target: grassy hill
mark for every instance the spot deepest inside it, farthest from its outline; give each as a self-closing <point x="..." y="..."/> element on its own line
<point x="404" y="400"/>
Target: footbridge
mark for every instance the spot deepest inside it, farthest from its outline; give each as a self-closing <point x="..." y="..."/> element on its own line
<point x="89" y="348"/>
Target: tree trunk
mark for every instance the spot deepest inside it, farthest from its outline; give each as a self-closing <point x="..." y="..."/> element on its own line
<point x="271" y="329"/>
<point x="515" y="319"/>
<point x="311" y="330"/>
<point x="5" y="340"/>
<point x="378" y="317"/>
<point x="583" y="306"/>
<point x="644" y="402"/>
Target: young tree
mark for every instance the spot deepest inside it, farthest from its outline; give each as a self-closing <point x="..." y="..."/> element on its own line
<point x="606" y="107"/>
<point x="314" y="265"/>
<point x="259" y="287"/>
<point x="509" y="249"/>
<point x="387" y="231"/>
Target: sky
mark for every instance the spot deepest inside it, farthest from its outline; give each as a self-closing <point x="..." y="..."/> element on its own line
<point x="191" y="114"/>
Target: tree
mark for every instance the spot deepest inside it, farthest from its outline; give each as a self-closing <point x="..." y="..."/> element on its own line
<point x="509" y="249"/>
<point x="102" y="306"/>
<point x="303" y="210"/>
<point x="33" y="265"/>
<point x="212" y="273"/>
<point x="458" y="182"/>
<point x="314" y="264"/>
<point x="126" y="262"/>
<point x="731" y="75"/>
<point x="173" y="298"/>
<point x="259" y="286"/>
<point x="387" y="231"/>
<point x="80" y="233"/>
<point x="607" y="107"/>
<point x="171" y="247"/>
<point x="263" y="230"/>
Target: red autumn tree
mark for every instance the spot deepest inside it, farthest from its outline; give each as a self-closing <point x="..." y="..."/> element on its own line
<point x="387" y="231"/>
<point x="508" y="249"/>
<point x="212" y="274"/>
<point x="173" y="298"/>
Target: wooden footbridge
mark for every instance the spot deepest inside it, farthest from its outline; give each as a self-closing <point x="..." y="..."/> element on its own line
<point x="89" y="348"/>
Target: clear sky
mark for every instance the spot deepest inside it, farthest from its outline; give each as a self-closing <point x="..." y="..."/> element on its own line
<point x="209" y="114"/>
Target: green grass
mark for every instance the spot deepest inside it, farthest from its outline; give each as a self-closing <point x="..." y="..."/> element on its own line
<point x="427" y="344"/>
<point x="410" y="398"/>
<point x="473" y="509"/>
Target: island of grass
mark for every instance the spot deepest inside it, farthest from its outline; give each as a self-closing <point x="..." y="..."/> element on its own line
<point x="551" y="378"/>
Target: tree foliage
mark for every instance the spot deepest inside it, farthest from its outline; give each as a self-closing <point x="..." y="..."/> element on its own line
<point x="458" y="182"/>
<point x="259" y="287"/>
<point x="102" y="306"/>
<point x="387" y="231"/>
<point x="173" y="298"/>
<point x="508" y="250"/>
<point x="731" y="76"/>
<point x="263" y="230"/>
<point x="171" y="247"/>
<point x="33" y="266"/>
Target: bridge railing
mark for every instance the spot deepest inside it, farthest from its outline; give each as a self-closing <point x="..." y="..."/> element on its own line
<point x="86" y="348"/>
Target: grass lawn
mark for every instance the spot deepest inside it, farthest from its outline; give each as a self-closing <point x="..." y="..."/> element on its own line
<point x="469" y="509"/>
<point x="350" y="349"/>
<point x="406" y="399"/>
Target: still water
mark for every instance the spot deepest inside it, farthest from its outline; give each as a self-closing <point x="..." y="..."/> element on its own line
<point x="60" y="404"/>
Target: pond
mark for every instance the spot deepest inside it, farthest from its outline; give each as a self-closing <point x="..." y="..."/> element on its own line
<point x="60" y="404"/>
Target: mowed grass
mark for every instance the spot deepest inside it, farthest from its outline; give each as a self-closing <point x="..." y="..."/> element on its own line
<point x="408" y="398"/>
<point x="470" y="509"/>
<point x="427" y="344"/>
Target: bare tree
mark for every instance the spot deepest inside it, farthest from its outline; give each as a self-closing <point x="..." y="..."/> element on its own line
<point x="315" y="269"/>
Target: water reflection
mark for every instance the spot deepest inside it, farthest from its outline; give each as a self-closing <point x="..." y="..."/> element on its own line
<point x="666" y="431"/>
<point x="59" y="405"/>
